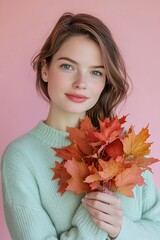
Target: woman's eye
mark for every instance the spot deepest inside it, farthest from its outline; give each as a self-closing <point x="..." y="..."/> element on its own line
<point x="97" y="73"/>
<point x="67" y="66"/>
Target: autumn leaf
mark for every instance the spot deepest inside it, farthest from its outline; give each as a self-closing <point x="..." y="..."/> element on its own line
<point x="78" y="136"/>
<point x="57" y="170"/>
<point x="106" y="158"/>
<point x="95" y="185"/>
<point x="93" y="181"/>
<point x="114" y="149"/>
<point x="86" y="125"/>
<point x="126" y="180"/>
<point x="68" y="152"/>
<point x="63" y="183"/>
<point x="61" y="173"/>
<point x="144" y="162"/>
<point x="78" y="172"/>
<point x="110" y="129"/>
<point x="126" y="190"/>
<point x="93" y="178"/>
<point x="110" y="168"/>
<point x="79" y="146"/>
<point x="135" y="145"/>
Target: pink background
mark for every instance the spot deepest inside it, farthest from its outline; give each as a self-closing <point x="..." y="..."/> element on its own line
<point x="24" y="25"/>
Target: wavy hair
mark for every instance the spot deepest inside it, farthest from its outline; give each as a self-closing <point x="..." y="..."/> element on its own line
<point x="116" y="86"/>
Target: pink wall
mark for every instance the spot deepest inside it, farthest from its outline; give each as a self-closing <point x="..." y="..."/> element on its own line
<point x="25" y="24"/>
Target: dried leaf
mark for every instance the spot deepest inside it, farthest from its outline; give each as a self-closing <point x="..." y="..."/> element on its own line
<point x="105" y="158"/>
<point x="78" y="136"/>
<point x="86" y="125"/>
<point x="110" y="168"/>
<point x="78" y="172"/>
<point x="135" y="145"/>
<point x="126" y="180"/>
<point x="115" y="149"/>
<point x="110" y="129"/>
<point x="144" y="162"/>
<point x="93" y="179"/>
<point x="68" y="152"/>
<point x="61" y="173"/>
<point x="126" y="190"/>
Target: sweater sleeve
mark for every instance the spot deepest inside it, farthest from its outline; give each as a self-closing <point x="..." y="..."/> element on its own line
<point x="25" y="216"/>
<point x="148" y="227"/>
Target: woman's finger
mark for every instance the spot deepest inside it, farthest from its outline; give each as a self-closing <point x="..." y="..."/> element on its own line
<point x="103" y="216"/>
<point x="105" y="198"/>
<point x="98" y="205"/>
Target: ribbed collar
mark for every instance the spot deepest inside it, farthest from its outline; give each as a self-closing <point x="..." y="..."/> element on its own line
<point x="53" y="137"/>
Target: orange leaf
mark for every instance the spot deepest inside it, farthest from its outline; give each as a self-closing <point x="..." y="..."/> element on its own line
<point x="110" y="169"/>
<point x="126" y="190"/>
<point x="78" y="136"/>
<point x="68" y="152"/>
<point x="110" y="129"/>
<point x="63" y="183"/>
<point x="78" y="171"/>
<point x="95" y="185"/>
<point x="93" y="179"/>
<point x="145" y="162"/>
<point x="61" y="173"/>
<point x="103" y="158"/>
<point x="86" y="125"/>
<point x="57" y="170"/>
<point x="126" y="180"/>
<point x="135" y="145"/>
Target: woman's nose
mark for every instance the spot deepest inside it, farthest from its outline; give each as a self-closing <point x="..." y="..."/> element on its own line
<point x="80" y="82"/>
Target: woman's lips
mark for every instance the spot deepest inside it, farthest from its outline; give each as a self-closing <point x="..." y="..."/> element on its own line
<point x="76" y="98"/>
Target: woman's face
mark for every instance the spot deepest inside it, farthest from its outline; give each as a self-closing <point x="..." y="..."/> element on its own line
<point x="76" y="76"/>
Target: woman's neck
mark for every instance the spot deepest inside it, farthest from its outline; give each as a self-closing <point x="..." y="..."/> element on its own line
<point x="61" y="119"/>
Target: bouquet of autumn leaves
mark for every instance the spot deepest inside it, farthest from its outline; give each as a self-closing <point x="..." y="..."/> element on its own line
<point x="108" y="157"/>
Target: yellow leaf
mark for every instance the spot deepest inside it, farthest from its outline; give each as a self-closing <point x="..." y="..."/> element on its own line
<point x="135" y="145"/>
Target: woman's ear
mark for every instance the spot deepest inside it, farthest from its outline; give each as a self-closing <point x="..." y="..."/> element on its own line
<point x="44" y="71"/>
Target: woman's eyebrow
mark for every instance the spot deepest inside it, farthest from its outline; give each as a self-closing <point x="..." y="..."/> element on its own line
<point x="73" y="61"/>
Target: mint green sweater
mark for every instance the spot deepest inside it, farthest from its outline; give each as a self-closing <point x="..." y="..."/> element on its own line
<point x="35" y="211"/>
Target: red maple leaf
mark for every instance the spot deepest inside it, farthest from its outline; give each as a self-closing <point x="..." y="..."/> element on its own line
<point x="110" y="129"/>
<point x="115" y="148"/>
<point x="61" y="173"/>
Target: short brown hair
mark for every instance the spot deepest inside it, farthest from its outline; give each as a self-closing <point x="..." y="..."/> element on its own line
<point x="116" y="86"/>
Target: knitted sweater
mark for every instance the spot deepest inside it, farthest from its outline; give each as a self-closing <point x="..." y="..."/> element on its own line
<point x="35" y="211"/>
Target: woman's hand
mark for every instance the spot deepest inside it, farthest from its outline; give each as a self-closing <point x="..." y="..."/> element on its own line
<point x="105" y="210"/>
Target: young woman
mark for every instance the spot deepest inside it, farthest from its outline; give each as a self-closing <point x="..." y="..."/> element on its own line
<point x="80" y="71"/>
